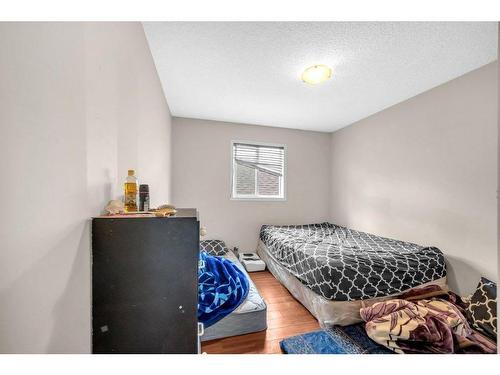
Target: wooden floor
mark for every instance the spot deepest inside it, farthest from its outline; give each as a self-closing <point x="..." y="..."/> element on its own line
<point x="285" y="317"/>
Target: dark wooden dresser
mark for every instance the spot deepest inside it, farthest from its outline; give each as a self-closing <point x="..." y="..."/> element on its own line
<point x="144" y="283"/>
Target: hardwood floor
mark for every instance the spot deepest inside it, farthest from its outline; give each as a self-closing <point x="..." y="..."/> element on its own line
<point x="285" y="317"/>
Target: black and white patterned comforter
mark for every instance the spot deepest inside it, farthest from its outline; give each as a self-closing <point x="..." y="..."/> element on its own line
<point x="342" y="264"/>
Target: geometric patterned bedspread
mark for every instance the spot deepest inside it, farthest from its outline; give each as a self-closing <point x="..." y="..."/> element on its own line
<point x="343" y="264"/>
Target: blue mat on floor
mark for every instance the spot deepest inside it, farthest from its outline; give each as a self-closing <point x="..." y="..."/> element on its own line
<point x="336" y="340"/>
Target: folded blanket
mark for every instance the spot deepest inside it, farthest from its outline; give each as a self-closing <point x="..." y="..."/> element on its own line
<point x="222" y="287"/>
<point x="435" y="323"/>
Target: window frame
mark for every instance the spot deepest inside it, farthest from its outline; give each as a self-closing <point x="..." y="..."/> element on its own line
<point x="257" y="198"/>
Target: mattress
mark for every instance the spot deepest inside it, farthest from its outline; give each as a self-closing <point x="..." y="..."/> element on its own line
<point x="342" y="264"/>
<point x="250" y="316"/>
<point x="327" y="312"/>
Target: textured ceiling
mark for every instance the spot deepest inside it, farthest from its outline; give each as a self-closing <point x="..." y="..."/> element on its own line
<point x="249" y="72"/>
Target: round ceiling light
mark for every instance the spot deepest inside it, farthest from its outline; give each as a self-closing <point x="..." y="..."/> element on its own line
<point x="316" y="74"/>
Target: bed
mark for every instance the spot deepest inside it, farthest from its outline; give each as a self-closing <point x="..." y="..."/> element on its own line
<point x="250" y="316"/>
<point x="334" y="271"/>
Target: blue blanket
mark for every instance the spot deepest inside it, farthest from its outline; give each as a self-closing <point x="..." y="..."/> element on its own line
<point x="334" y="340"/>
<point x="222" y="287"/>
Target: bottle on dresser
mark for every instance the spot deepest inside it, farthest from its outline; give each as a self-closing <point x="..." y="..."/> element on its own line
<point x="131" y="190"/>
<point x="144" y="198"/>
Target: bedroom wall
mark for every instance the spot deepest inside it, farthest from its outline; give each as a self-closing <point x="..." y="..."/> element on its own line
<point x="79" y="105"/>
<point x="201" y="177"/>
<point x="425" y="171"/>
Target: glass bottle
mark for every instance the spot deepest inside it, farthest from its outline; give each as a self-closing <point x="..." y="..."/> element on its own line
<point x="131" y="189"/>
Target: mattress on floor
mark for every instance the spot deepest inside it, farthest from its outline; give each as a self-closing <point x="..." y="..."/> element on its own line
<point x="250" y="316"/>
<point x="343" y="264"/>
<point x="327" y="312"/>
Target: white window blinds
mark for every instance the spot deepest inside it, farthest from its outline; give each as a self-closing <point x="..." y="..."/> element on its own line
<point x="258" y="171"/>
<point x="268" y="159"/>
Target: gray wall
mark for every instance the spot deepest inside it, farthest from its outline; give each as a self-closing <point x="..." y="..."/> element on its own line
<point x="201" y="176"/>
<point x="79" y="104"/>
<point x="425" y="170"/>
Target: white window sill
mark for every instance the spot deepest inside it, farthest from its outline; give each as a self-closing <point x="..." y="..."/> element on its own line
<point x="258" y="199"/>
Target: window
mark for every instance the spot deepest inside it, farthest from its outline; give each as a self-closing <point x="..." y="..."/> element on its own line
<point x="258" y="171"/>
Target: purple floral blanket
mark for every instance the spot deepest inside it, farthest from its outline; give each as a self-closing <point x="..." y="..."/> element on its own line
<point x="426" y="320"/>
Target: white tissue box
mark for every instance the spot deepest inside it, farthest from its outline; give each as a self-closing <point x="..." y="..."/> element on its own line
<point x="252" y="262"/>
<point x="254" y="265"/>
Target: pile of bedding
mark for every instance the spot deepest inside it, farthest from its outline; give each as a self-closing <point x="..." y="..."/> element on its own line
<point x="222" y="287"/>
<point x="249" y="316"/>
<point x="428" y="320"/>
<point x="342" y="264"/>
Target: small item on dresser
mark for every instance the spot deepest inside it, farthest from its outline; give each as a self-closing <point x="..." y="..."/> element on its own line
<point x="144" y="198"/>
<point x="114" y="207"/>
<point x="252" y="262"/>
<point x="165" y="210"/>
<point x="130" y="192"/>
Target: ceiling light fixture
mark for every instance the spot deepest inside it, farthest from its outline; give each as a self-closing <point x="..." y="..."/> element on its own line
<point x="316" y="74"/>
